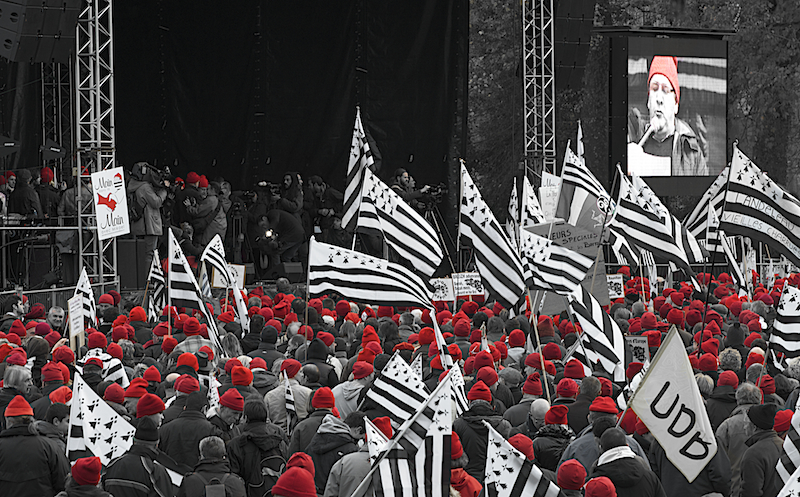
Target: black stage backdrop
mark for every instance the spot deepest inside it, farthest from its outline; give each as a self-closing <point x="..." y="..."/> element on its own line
<point x="249" y="90"/>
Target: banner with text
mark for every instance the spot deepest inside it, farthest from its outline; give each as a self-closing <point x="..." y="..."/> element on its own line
<point x="110" y="203"/>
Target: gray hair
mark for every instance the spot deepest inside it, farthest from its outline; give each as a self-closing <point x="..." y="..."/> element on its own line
<point x="212" y="448"/>
<point x="231" y="346"/>
<point x="704" y="383"/>
<point x="55" y="308"/>
<point x="730" y="360"/>
<point x="754" y="372"/>
<point x="254" y="302"/>
<point x="638" y="309"/>
<point x="16" y="377"/>
<point x="591" y="386"/>
<point x="747" y="393"/>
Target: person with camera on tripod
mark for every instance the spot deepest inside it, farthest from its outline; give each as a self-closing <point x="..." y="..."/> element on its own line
<point x="148" y="189"/>
<point x="324" y="205"/>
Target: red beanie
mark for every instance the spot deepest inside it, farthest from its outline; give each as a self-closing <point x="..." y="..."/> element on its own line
<point x="517" y="339"/>
<point x="426" y="336"/>
<point x="708" y="362"/>
<point x="571" y="475"/>
<point x="295" y="482"/>
<point x="556" y="415"/>
<point x="604" y="404"/>
<point x="574" y="369"/>
<point x="232" y="399"/>
<point x="456" y="449"/>
<point x="552" y="352"/>
<point x="483" y="359"/>
<point x="152" y="374"/>
<point x="728" y="378"/>
<point x="149" y="404"/>
<point x="748" y="342"/>
<point x="188" y="359"/>
<point x="783" y="420"/>
<point x="114" y="393"/>
<point x="766" y="384"/>
<point x="649" y="321"/>
<point x="291" y="366"/>
<point x="600" y="486"/>
<point x="186" y="384"/>
<point x="633" y="369"/>
<point x="64" y="354"/>
<point x="567" y="387"/>
<point x="533" y="385"/>
<point x="384" y="424"/>
<point x="97" y="340"/>
<point x="51" y="372"/>
<point x="241" y="376"/>
<point x="525" y="444"/>
<point x="191" y="327"/>
<point x="545" y="326"/>
<point x="480" y="391"/>
<point x="462" y="329"/>
<point x="18" y="407"/>
<point x="487" y="375"/>
<point x="323" y="398"/>
<point x="301" y="460"/>
<point x="675" y="316"/>
<point x="86" y="470"/>
<point x="106" y="299"/>
<point x="362" y="369"/>
<point x="114" y="350"/>
<point x="168" y="344"/>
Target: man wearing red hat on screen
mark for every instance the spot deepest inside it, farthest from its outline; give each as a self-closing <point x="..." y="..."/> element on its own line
<point x="664" y="135"/>
<point x="30" y="465"/>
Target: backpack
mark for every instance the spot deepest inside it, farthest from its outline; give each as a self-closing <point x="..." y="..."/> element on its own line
<point x="271" y="468"/>
<point x="215" y="487"/>
<point x="135" y="209"/>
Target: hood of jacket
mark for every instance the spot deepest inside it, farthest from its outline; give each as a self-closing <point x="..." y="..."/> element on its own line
<point x="556" y="431"/>
<point x="724" y="393"/>
<point x="332" y="433"/>
<point x="317" y="350"/>
<point x="351" y="389"/>
<point x="213" y="466"/>
<point x="263" y="378"/>
<point x="760" y="435"/>
<point x="265" y="436"/>
<point x="332" y="424"/>
<point x="625" y="473"/>
<point x="480" y="412"/>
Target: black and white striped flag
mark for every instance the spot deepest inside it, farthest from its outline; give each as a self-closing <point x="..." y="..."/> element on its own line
<point x="759" y="208"/>
<point x="364" y="278"/>
<point x="700" y="222"/>
<point x="513" y="204"/>
<point x="84" y="289"/>
<point x="184" y="290"/>
<point x="531" y="210"/>
<point x="432" y="460"/>
<point x="156" y="284"/>
<point x="113" y="369"/>
<point x="291" y="410"/>
<point x="498" y="263"/>
<point x="602" y="339"/>
<point x="360" y="160"/>
<point x="214" y="254"/>
<point x="395" y="476"/>
<point x="510" y="474"/>
<point x="789" y="462"/>
<point x="384" y="212"/>
<point x="548" y="266"/>
<point x="94" y="426"/>
<point x="786" y="327"/>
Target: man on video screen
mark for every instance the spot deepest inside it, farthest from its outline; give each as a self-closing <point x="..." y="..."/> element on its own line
<point x="665" y="145"/>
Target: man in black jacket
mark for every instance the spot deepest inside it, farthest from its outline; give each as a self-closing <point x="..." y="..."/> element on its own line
<point x="180" y="439"/>
<point x="722" y="401"/>
<point x="213" y="465"/>
<point x="334" y="439"/>
<point x="578" y="414"/>
<point x="266" y="347"/>
<point x="318" y="355"/>
<point x="251" y="340"/>
<point x="259" y="453"/>
<point x="135" y="472"/>
<point x="323" y="403"/>
<point x="619" y="464"/>
<point x="24" y="200"/>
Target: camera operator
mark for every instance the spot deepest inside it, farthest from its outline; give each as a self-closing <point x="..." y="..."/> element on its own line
<point x="49" y="193"/>
<point x="324" y="205"/>
<point x="209" y="218"/>
<point x="24" y="200"/>
<point x="278" y="235"/>
<point x="148" y="189"/>
<point x="190" y="191"/>
<point x="403" y="184"/>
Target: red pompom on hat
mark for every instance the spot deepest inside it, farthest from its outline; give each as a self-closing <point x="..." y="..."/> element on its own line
<point x="480" y="391"/>
<point x="571" y="475"/>
<point x="384" y="424"/>
<point x="232" y="399"/>
<point x="152" y="374"/>
<point x="188" y="359"/>
<point x="728" y="378"/>
<point x="323" y="398"/>
<point x="149" y="404"/>
<point x="604" y="404"/>
<point x="86" y="470"/>
<point x="362" y="369"/>
<point x="556" y="415"/>
<point x="533" y="385"/>
<point x="241" y="376"/>
<point x="291" y="366"/>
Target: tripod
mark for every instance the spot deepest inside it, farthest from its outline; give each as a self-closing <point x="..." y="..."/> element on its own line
<point x="433" y="215"/>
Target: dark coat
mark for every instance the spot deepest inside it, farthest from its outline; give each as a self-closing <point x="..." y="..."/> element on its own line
<point x="195" y="483"/>
<point x="75" y="490"/>
<point x="24" y="200"/>
<point x="305" y="431"/>
<point x="30" y="465"/>
<point x="329" y="444"/>
<point x="578" y="415"/>
<point x="475" y="436"/>
<point x="268" y="352"/>
<point x="7" y="394"/>
<point x="715" y="477"/>
<point x="759" y="475"/>
<point x="517" y="414"/>
<point x="720" y="405"/>
<point x="245" y="453"/>
<point x="550" y="443"/>
<point x="174" y="410"/>
<point x="135" y="474"/>
<point x="181" y="439"/>
<point x="630" y="477"/>
<point x="318" y="355"/>
<point x="250" y="342"/>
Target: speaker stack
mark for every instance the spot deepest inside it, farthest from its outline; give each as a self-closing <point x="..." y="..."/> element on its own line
<point x="38" y="31"/>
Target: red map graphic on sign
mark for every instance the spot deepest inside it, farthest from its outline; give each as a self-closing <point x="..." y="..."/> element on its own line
<point x="107" y="201"/>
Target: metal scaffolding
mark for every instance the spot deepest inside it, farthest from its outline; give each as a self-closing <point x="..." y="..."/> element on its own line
<point x="539" y="84"/>
<point x="57" y="114"/>
<point x="94" y="131"/>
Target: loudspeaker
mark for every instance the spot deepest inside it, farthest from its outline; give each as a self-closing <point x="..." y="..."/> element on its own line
<point x="40" y="262"/>
<point x="38" y="32"/>
<point x="134" y="263"/>
<point x="293" y="271"/>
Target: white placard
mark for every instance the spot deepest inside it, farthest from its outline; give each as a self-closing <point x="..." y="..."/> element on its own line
<point x="616" y="289"/>
<point x="442" y="289"/>
<point x="237" y="270"/>
<point x="640" y="351"/>
<point x="548" y="195"/>
<point x="75" y="309"/>
<point x="466" y="284"/>
<point x="110" y="203"/>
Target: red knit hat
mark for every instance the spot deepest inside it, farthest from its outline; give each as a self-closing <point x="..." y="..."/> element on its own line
<point x="18" y="407"/>
<point x="188" y="359"/>
<point x="51" y="372"/>
<point x="95" y="340"/>
<point x="567" y="387"/>
<point x="295" y="482"/>
<point x="456" y="449"/>
<point x="384" y="424"/>
<point x="258" y="363"/>
<point x="488" y="375"/>
<point x="728" y="378"/>
<point x="152" y="374"/>
<point x="168" y="344"/>
<point x="600" y="486"/>
<point x="557" y="415"/>
<point x="114" y="393"/>
<point x="114" y="350"/>
<point x="533" y="385"/>
<point x="426" y="336"/>
<point x="86" y="470"/>
<point x="232" y="399"/>
<point x="633" y="369"/>
<point x="606" y="387"/>
<point x="708" y="362"/>
<point x="186" y="384"/>
<point x="323" y="398"/>
<point x="649" y="321"/>
<point x="524" y="444"/>
<point x="545" y="326"/>
<point x="480" y="391"/>
<point x="748" y="342"/>
<point x="191" y="327"/>
<point x="106" y="299"/>
<point x="362" y="369"/>
<point x="241" y="376"/>
<point x="767" y="384"/>
<point x="574" y="369"/>
<point x="149" y="404"/>
<point x="64" y="354"/>
<point x="783" y="420"/>
<point x="301" y="460"/>
<point x="291" y="366"/>
<point x="604" y="404"/>
<point x="571" y="475"/>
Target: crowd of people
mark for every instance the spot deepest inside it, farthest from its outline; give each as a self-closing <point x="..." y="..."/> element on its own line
<point x="330" y="350"/>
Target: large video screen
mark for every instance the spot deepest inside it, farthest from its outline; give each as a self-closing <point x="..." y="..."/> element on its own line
<point x="677" y="94"/>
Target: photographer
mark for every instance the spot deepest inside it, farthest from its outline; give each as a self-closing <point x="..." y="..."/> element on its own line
<point x="278" y="235"/>
<point x="403" y="184"/>
<point x="148" y="190"/>
<point x="209" y="218"/>
<point x="324" y="205"/>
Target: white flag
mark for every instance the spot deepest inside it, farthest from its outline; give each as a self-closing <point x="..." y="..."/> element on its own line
<point x="669" y="403"/>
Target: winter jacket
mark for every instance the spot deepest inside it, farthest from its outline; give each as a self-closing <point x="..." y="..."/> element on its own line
<point x="268" y="352"/>
<point x="174" y="410"/>
<point x="195" y="483"/>
<point x="550" y="443"/>
<point x="152" y="200"/>
<point x="181" y="438"/>
<point x="276" y="403"/>
<point x="258" y="442"/>
<point x="464" y="484"/>
<point x="264" y="381"/>
<point x="331" y="442"/>
<point x="75" y="490"/>
<point x="305" y="431"/>
<point x="715" y="477"/>
<point x="578" y="415"/>
<point x="475" y="436"/>
<point x="346" y="395"/>
<point x="517" y="414"/>
<point x="24" y="200"/>
<point x="629" y="475"/>
<point x="135" y="474"/>
<point x="347" y="473"/>
<point x="720" y="405"/>
<point x="250" y="341"/>
<point x="318" y="356"/>
<point x="30" y="465"/>
<point x="759" y="475"/>
<point x="204" y="208"/>
<point x="586" y="450"/>
<point x="732" y="434"/>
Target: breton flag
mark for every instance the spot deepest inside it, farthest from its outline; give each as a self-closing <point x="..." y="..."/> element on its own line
<point x="531" y="210"/>
<point x="432" y="460"/>
<point x="416" y="366"/>
<point x="548" y="266"/>
<point x="792" y="486"/>
<point x="205" y="284"/>
<point x="602" y="339"/>
<point x="460" y="401"/>
<point x="214" y="254"/>
<point x="510" y="474"/>
<point x="789" y="462"/>
<point x="395" y="476"/>
<point x="113" y="369"/>
<point x="647" y="224"/>
<point x="513" y="204"/>
<point x="364" y="278"/>
<point x="703" y="221"/>
<point x="156" y="297"/>
<point x="183" y="289"/>
<point x="667" y="398"/>
<point x="95" y="426"/>
<point x="360" y="160"/>
<point x="786" y="328"/>
<point x="623" y="251"/>
<point x="291" y="410"/>
<point x="84" y="289"/>
<point x="736" y="271"/>
<point x="496" y="260"/>
<point x="759" y="208"/>
<point x="384" y="212"/>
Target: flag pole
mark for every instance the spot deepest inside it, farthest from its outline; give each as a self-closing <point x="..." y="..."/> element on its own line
<point x="708" y="292"/>
<point x="539" y="345"/>
<point x="603" y="228"/>
<point x="572" y="320"/>
<point x="170" y="242"/>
